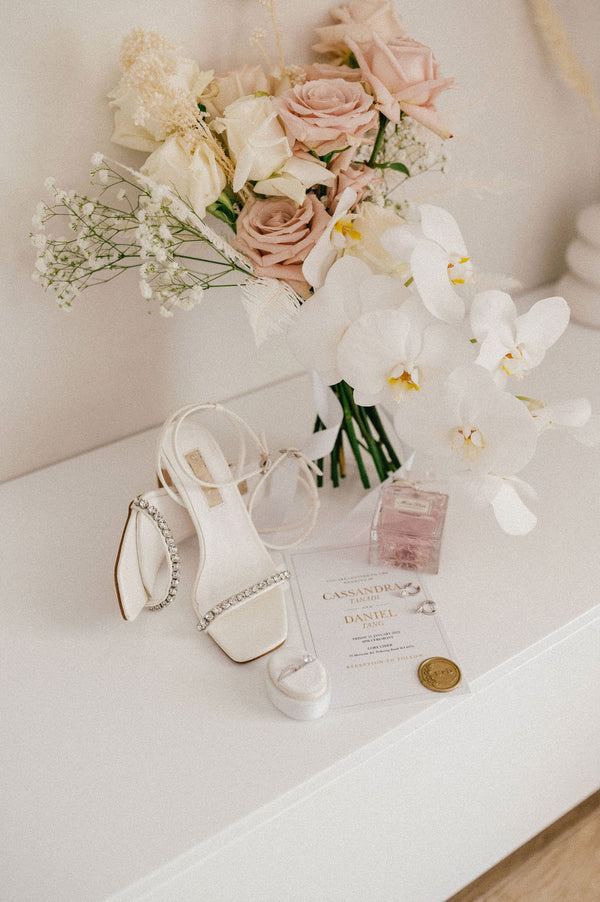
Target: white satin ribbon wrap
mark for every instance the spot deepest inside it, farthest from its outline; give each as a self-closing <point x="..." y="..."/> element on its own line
<point x="330" y="412"/>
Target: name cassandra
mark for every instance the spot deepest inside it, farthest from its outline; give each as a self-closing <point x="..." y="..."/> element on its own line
<point x="367" y="590"/>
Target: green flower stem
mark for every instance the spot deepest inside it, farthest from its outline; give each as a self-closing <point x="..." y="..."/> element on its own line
<point x="348" y="426"/>
<point x="319" y="426"/>
<point x="366" y="434"/>
<point x="383" y="121"/>
<point x="373" y="415"/>
<point x="337" y="460"/>
<point x="374" y="448"/>
<point x="342" y="457"/>
<point x="334" y="456"/>
<point x="356" y="413"/>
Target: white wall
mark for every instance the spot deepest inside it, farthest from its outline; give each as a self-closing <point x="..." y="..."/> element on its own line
<point x="70" y="382"/>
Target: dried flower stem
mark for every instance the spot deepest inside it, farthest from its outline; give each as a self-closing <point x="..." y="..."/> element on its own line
<point x="269" y="5"/>
<point x="564" y="55"/>
<point x="277" y="34"/>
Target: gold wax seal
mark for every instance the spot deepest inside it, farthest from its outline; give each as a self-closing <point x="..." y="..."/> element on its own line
<point x="439" y="674"/>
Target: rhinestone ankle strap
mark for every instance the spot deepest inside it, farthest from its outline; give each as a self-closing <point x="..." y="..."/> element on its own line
<point x="141" y="504"/>
<point x="245" y="595"/>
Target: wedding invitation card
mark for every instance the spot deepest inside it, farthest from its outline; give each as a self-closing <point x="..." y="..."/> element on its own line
<point x="369" y="626"/>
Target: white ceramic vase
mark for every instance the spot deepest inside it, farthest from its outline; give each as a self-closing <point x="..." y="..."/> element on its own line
<point x="580" y="285"/>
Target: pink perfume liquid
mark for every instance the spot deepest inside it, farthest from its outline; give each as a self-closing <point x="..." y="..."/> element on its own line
<point x="407" y="528"/>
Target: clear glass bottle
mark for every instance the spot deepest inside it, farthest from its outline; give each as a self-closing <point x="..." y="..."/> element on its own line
<point x="407" y="528"/>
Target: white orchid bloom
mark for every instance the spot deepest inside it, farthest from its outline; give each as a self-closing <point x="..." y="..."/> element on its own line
<point x="438" y="260"/>
<point x="504" y="496"/>
<point x="574" y="416"/>
<point x="468" y="422"/>
<point x="369" y="224"/>
<point x="589" y="434"/>
<point x="573" y="413"/>
<point x="472" y="429"/>
<point x="349" y="290"/>
<point x="318" y="263"/>
<point x="293" y="179"/>
<point x="389" y="354"/>
<point x="512" y="345"/>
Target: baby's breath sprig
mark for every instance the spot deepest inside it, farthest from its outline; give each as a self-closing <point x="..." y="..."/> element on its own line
<point x="408" y="149"/>
<point x="128" y="223"/>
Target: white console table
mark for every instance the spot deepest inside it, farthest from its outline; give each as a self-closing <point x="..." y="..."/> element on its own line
<point x="139" y="763"/>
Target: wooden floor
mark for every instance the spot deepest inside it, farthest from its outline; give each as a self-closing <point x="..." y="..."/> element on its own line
<point x="562" y="864"/>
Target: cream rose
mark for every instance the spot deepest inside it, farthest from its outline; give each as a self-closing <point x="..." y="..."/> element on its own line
<point x="327" y="114"/>
<point x="359" y="20"/>
<point x="129" y="131"/>
<point x="277" y="235"/>
<point x="300" y="172"/>
<point x="404" y="75"/>
<point x="193" y="173"/>
<point x="228" y="88"/>
<point x="255" y="138"/>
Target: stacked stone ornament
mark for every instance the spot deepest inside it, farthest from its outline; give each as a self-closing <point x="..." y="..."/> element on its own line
<point x="580" y="285"/>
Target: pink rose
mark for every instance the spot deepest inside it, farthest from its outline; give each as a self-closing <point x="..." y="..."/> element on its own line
<point x="359" y="177"/>
<point x="343" y="160"/>
<point x="327" y="114"/>
<point x="277" y="235"/>
<point x="327" y="70"/>
<point x="404" y="75"/>
<point x="359" y="20"/>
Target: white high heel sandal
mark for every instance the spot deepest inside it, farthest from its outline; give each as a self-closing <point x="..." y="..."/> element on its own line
<point x="155" y="526"/>
<point x="238" y="594"/>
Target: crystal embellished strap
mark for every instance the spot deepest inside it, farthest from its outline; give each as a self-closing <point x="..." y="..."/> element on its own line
<point x="153" y="512"/>
<point x="245" y="595"/>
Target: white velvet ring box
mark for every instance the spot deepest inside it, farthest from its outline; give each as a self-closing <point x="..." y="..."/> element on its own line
<point x="297" y="683"/>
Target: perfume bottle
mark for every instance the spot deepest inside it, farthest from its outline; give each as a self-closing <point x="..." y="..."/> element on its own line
<point x="407" y="527"/>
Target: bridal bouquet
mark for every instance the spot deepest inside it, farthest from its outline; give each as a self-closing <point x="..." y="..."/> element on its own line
<point x="303" y="165"/>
